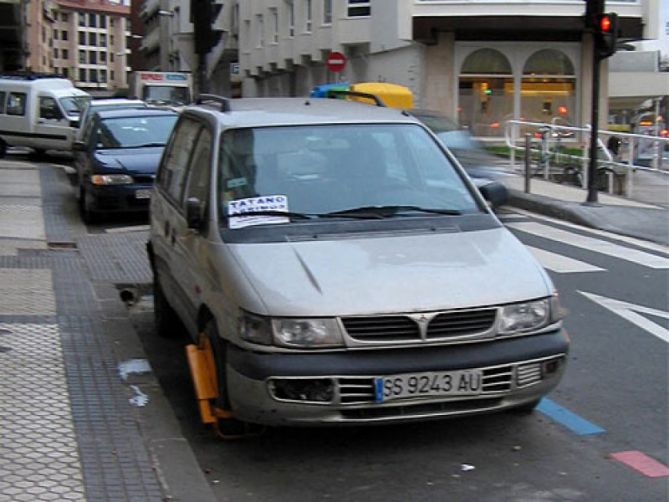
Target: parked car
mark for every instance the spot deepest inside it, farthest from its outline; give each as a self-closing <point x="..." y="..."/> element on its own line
<point x="117" y="159"/>
<point x="334" y="265"/>
<point x="38" y="110"/>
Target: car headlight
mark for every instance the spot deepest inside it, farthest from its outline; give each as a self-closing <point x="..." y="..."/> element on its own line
<point x="111" y="179"/>
<point x="255" y="329"/>
<point x="527" y="316"/>
<point x="307" y="333"/>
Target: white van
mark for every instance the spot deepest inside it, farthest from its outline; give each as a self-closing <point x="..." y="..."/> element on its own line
<point x="39" y="111"/>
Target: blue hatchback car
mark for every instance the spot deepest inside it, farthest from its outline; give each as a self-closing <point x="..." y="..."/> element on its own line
<point x="117" y="159"/>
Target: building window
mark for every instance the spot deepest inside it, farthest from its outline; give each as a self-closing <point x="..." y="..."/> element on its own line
<point x="103" y="21"/>
<point x="93" y="75"/>
<point x="55" y="54"/>
<point x="111" y="74"/>
<point x="82" y="74"/>
<point x="327" y="11"/>
<point x="63" y="35"/>
<point x="55" y="34"/>
<point x="93" y="39"/>
<point x="93" y="57"/>
<point x="548" y="88"/>
<point x="63" y="17"/>
<point x="82" y="19"/>
<point x="65" y="53"/>
<point x="93" y="20"/>
<point x="103" y="40"/>
<point x="111" y="39"/>
<point x="82" y="57"/>
<point x="103" y="76"/>
<point x="291" y="18"/>
<point x="359" y="8"/>
<point x="82" y="38"/>
<point x="274" y="14"/>
<point x="111" y="57"/>
<point x="307" y="21"/>
<point x="485" y="98"/>
<point x="260" y="26"/>
<point x="66" y="73"/>
<point x="103" y="57"/>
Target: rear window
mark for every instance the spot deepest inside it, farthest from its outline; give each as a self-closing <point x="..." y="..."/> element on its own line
<point x="135" y="132"/>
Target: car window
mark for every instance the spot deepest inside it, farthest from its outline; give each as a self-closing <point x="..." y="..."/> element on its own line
<point x="135" y="132"/>
<point x="16" y="103"/>
<point x="73" y="105"/>
<point x="173" y="168"/>
<point x="48" y="109"/>
<point x="337" y="167"/>
<point x="199" y="169"/>
<point x="3" y="96"/>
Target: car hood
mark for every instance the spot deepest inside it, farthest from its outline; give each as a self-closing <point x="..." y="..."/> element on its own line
<point x="131" y="160"/>
<point x="373" y="275"/>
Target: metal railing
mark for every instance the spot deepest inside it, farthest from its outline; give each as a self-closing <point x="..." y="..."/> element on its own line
<point x="554" y="139"/>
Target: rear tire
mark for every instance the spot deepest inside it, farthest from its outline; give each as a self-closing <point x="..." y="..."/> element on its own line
<point x="3" y="149"/>
<point x="167" y="322"/>
<point x="88" y="216"/>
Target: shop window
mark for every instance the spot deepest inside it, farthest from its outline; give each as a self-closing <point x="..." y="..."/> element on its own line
<point x="548" y="88"/>
<point x="359" y="8"/>
<point x="485" y="96"/>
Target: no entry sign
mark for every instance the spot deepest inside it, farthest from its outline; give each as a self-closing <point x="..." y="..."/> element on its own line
<point x="335" y="62"/>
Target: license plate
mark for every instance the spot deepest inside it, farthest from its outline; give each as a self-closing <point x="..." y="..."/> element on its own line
<point x="448" y="383"/>
<point x="143" y="193"/>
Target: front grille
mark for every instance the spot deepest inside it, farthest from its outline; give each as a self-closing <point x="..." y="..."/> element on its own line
<point x="497" y="379"/>
<point x="528" y="374"/>
<point x="458" y="323"/>
<point x="382" y="329"/>
<point x="356" y="390"/>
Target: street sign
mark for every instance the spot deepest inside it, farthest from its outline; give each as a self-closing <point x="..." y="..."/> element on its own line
<point x="335" y="62"/>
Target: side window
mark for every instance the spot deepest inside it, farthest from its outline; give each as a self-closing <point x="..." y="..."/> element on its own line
<point x="16" y="104"/>
<point x="3" y="96"/>
<point x="200" y="168"/>
<point x="48" y="109"/>
<point x="171" y="176"/>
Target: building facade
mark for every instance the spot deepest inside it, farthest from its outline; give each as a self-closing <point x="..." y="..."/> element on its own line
<point x="479" y="61"/>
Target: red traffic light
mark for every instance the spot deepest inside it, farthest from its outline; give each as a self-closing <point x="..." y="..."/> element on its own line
<point x="605" y="23"/>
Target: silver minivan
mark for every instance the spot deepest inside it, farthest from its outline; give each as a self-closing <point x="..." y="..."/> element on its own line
<point x="334" y="264"/>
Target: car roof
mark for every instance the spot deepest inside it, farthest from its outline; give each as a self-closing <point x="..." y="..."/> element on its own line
<point x="121" y="112"/>
<point x="255" y="112"/>
<point x="94" y="103"/>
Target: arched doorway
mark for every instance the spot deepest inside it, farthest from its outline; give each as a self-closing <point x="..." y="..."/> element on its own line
<point x="548" y="88"/>
<point x="485" y="92"/>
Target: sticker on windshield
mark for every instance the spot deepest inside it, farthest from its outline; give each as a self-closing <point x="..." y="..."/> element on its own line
<point x="236" y="182"/>
<point x="240" y="211"/>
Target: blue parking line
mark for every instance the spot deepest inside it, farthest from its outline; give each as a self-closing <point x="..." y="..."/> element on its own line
<point x="570" y="420"/>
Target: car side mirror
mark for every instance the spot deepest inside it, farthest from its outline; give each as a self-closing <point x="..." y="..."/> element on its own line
<point x="79" y="146"/>
<point x="194" y="218"/>
<point x="495" y="193"/>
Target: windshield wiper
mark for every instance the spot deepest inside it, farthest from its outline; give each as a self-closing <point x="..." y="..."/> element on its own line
<point x="146" y="145"/>
<point x="387" y="211"/>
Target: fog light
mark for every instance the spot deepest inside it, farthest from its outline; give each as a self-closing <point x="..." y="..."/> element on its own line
<point x="320" y="390"/>
<point x="550" y="367"/>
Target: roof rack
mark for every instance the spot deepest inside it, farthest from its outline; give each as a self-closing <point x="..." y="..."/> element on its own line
<point x="334" y="93"/>
<point x="29" y="75"/>
<point x="204" y="99"/>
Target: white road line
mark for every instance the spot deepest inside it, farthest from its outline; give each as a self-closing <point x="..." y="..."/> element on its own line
<point x="651" y="246"/>
<point x="562" y="264"/>
<point x="592" y="244"/>
<point x="630" y="311"/>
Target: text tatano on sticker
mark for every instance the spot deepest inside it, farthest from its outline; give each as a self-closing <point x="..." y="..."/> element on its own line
<point x="240" y="211"/>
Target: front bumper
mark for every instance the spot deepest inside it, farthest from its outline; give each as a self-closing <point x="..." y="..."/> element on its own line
<point x="514" y="373"/>
<point x="118" y="198"/>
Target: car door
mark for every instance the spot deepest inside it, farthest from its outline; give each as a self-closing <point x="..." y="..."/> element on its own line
<point x="167" y="218"/>
<point x="52" y="126"/>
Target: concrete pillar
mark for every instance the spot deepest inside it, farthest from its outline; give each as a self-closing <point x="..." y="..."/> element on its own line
<point x="440" y="81"/>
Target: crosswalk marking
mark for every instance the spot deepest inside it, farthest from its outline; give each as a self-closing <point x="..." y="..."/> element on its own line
<point x="592" y="244"/>
<point x="561" y="264"/>
<point x="650" y="246"/>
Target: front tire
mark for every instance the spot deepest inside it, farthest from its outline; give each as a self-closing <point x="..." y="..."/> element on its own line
<point x="167" y="322"/>
<point x="3" y="149"/>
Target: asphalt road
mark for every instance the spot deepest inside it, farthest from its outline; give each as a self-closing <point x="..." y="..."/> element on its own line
<point x="613" y="399"/>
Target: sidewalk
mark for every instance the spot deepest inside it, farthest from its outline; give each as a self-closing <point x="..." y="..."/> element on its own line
<point x="634" y="218"/>
<point x="82" y="417"/>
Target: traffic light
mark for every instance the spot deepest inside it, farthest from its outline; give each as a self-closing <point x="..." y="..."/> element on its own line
<point x="606" y="34"/>
<point x="203" y="14"/>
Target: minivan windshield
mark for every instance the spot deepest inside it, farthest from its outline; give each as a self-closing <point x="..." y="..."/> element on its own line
<point x="339" y="171"/>
<point x="74" y="105"/>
